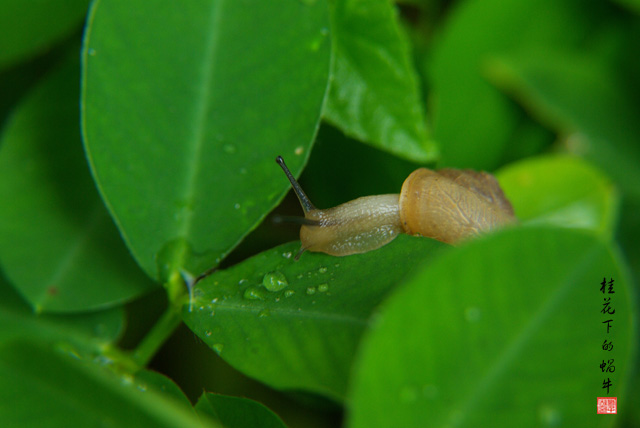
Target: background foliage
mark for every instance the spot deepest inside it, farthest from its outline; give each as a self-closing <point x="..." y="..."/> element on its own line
<point x="137" y="146"/>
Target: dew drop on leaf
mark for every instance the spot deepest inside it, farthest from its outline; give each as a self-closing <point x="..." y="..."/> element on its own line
<point x="264" y="313"/>
<point x="254" y="293"/>
<point x="275" y="281"/>
<point x="472" y="314"/>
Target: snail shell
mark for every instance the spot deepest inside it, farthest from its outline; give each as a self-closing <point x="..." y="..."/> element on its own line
<point x="450" y="205"/>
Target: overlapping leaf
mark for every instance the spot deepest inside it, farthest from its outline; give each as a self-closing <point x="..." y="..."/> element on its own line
<point x="506" y="330"/>
<point x="58" y="244"/>
<point x="185" y="107"/>
<point x="374" y="94"/>
<point x="561" y="191"/>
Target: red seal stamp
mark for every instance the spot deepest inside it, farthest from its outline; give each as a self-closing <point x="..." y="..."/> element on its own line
<point x="607" y="405"/>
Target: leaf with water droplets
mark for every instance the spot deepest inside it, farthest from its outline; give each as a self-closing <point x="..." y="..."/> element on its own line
<point x="305" y="335"/>
<point x="182" y="138"/>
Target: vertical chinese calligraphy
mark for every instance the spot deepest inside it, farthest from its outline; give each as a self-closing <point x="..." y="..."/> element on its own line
<point x="607" y="365"/>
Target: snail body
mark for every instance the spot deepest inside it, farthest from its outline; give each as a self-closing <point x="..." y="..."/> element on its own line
<point x="448" y="205"/>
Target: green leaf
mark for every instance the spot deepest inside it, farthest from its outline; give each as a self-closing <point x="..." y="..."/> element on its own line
<point x="580" y="94"/>
<point x="561" y="191"/>
<point x="185" y="107"/>
<point x="374" y="94"/>
<point x="473" y="122"/>
<point x="45" y="388"/>
<point x="146" y="379"/>
<point x="17" y="320"/>
<point x="30" y="29"/>
<point x="304" y="336"/>
<point x="58" y="245"/>
<point x="505" y="331"/>
<point x="236" y="412"/>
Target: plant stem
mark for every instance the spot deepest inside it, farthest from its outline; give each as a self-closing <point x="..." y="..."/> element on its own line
<point x="159" y="333"/>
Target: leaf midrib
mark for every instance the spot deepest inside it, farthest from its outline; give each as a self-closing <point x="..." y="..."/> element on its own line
<point x="196" y="143"/>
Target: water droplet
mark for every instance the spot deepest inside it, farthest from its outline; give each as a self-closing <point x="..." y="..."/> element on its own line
<point x="299" y="150"/>
<point x="91" y="51"/>
<point x="236" y="206"/>
<point x="430" y="391"/>
<point x="254" y="293"/>
<point x="214" y="300"/>
<point x="337" y="265"/>
<point x="264" y="313"/>
<point x="289" y="293"/>
<point x="322" y="270"/>
<point x="299" y="276"/>
<point x="243" y="281"/>
<point x="472" y="314"/>
<point x="217" y="347"/>
<point x="103" y="360"/>
<point x="323" y="288"/>
<point x="229" y="149"/>
<point x="207" y="333"/>
<point x="287" y="255"/>
<point x="212" y="313"/>
<point x="549" y="416"/>
<point x="311" y="290"/>
<point x="275" y="281"/>
<point x="408" y="394"/>
<point x="126" y="379"/>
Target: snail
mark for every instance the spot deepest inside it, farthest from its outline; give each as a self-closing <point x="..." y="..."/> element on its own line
<point x="449" y="205"/>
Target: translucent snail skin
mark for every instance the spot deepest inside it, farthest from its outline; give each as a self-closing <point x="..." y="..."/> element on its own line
<point x="448" y="205"/>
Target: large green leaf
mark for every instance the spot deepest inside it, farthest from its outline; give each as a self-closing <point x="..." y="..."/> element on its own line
<point x="505" y="331"/>
<point x="18" y="321"/>
<point x="46" y="388"/>
<point x="58" y="245"/>
<point x="581" y="94"/>
<point x="296" y="324"/>
<point x="236" y="412"/>
<point x="374" y="94"/>
<point x="30" y="28"/>
<point x="561" y="191"/>
<point x="473" y="122"/>
<point x="185" y="107"/>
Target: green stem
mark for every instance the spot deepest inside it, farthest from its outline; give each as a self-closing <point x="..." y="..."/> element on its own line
<point x="159" y="333"/>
